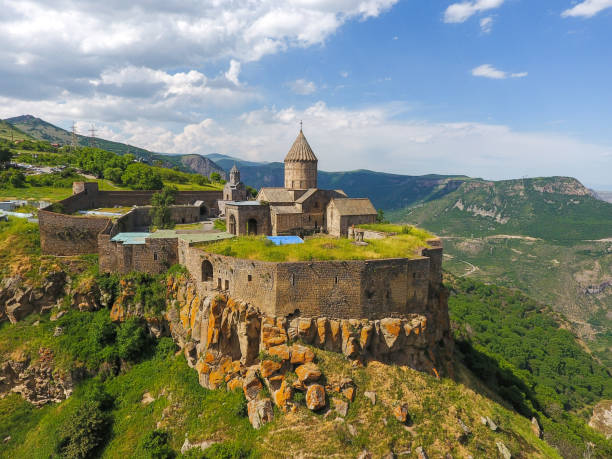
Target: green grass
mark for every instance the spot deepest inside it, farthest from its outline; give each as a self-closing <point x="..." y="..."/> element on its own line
<point x="318" y="248"/>
<point x="398" y="229"/>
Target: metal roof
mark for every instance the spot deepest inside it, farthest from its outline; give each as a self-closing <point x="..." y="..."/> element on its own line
<point x="131" y="238"/>
<point x="191" y="237"/>
<point x="243" y="203"/>
<point x="285" y="240"/>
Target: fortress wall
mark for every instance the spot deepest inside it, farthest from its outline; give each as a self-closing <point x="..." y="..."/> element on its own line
<point x="324" y="288"/>
<point x="153" y="257"/>
<point x="143" y="198"/>
<point x="394" y="287"/>
<point x="77" y="202"/>
<point x="62" y="234"/>
<point x="435" y="256"/>
<point x="231" y="276"/>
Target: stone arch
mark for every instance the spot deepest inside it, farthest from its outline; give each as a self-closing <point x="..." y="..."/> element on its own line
<point x="231" y="227"/>
<point x="207" y="271"/>
<point x="203" y="211"/>
<point x="252" y="226"/>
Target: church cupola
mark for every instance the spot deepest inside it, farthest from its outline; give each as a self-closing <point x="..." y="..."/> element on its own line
<point x="301" y="165"/>
<point x="234" y="175"/>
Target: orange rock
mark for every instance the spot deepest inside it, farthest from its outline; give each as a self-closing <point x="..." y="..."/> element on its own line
<point x="322" y="329"/>
<point x="401" y="413"/>
<point x="301" y="354"/>
<point x="251" y="385"/>
<point x="215" y="378"/>
<point x="390" y="329"/>
<point x="308" y="372"/>
<point x="202" y="368"/>
<point x="315" y="397"/>
<point x="366" y="336"/>
<point x="282" y="352"/>
<point x="334" y="330"/>
<point x="234" y="384"/>
<point x="283" y="395"/>
<point x="269" y="367"/>
<point x="349" y="393"/>
<point x="209" y="357"/>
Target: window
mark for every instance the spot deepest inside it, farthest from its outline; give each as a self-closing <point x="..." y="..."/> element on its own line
<point x="226" y="285"/>
<point x="292" y="279"/>
<point x="336" y="279"/>
<point x="207" y="271"/>
<point x="154" y="256"/>
<point x="219" y="283"/>
<point x="250" y="278"/>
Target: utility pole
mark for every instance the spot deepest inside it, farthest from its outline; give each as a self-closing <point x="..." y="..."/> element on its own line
<point x="74" y="136"/>
<point x="92" y="139"/>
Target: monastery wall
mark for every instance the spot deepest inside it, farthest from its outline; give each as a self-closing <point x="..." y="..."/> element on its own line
<point x="62" y="234"/>
<point x="371" y="289"/>
<point x="154" y="257"/>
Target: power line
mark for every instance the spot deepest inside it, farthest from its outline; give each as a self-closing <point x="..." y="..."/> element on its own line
<point x="74" y="136"/>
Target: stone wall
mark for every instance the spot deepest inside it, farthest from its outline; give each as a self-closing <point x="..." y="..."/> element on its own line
<point x="242" y="214"/>
<point x="62" y="234"/>
<point x="300" y="175"/>
<point x="370" y="289"/>
<point x="154" y="257"/>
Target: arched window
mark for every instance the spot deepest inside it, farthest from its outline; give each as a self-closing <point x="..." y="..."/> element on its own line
<point x="232" y="224"/>
<point x="207" y="271"/>
<point x="252" y="226"/>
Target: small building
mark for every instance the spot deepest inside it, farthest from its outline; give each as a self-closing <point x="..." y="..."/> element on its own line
<point x="234" y="190"/>
<point x="247" y="218"/>
<point x="342" y="213"/>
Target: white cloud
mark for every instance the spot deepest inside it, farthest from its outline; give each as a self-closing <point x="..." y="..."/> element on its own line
<point x="233" y="72"/>
<point x="344" y="74"/>
<point x="488" y="71"/>
<point x="486" y="24"/>
<point x="302" y="87"/>
<point x="376" y="138"/>
<point x="461" y="12"/>
<point x="587" y="8"/>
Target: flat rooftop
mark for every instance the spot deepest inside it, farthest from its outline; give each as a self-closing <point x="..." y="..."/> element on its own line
<point x="190" y="236"/>
<point x="321" y="248"/>
<point x="130" y="238"/>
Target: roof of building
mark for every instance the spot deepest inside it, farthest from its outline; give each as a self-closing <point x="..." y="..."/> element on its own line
<point x="131" y="238"/>
<point x="285" y="210"/>
<point x="300" y="150"/>
<point x="243" y="203"/>
<point x="285" y="240"/>
<point x="353" y="206"/>
<point x="234" y="168"/>
<point x="191" y="237"/>
<point x="306" y="195"/>
<point x="277" y="194"/>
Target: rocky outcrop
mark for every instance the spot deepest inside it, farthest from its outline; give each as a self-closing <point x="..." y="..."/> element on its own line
<point x="38" y="382"/>
<point x="17" y="299"/>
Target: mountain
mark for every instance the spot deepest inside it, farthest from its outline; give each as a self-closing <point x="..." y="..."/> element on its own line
<point x="549" y="237"/>
<point x="603" y="195"/>
<point x="201" y="165"/>
<point x="552" y="208"/>
<point x="10" y="132"/>
<point x="387" y="191"/>
<point x="42" y="130"/>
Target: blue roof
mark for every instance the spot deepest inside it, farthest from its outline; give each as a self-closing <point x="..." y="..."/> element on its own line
<point x="131" y="238"/>
<point x="243" y="203"/>
<point x="285" y="240"/>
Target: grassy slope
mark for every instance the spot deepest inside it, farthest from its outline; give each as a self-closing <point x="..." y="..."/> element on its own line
<point x="10" y="132"/>
<point x="554" y="215"/>
<point x="182" y="407"/>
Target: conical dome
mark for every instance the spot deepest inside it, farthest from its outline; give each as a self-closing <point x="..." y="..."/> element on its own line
<point x="300" y="150"/>
<point x="234" y="169"/>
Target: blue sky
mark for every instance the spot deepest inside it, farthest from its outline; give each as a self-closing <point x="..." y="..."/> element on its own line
<point x="490" y="88"/>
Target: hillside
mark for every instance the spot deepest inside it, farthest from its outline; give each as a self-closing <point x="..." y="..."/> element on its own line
<point x="10" y="132"/>
<point x="42" y="130"/>
<point x="552" y="208"/>
<point x="386" y="191"/>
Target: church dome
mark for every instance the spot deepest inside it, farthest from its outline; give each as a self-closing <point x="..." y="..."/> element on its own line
<point x="300" y="150"/>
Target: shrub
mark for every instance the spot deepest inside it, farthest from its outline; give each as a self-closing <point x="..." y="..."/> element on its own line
<point x="155" y="445"/>
<point x="83" y="431"/>
<point x="131" y="340"/>
<point x="227" y="450"/>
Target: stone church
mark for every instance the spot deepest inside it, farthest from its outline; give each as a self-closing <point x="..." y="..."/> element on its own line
<point x="300" y="207"/>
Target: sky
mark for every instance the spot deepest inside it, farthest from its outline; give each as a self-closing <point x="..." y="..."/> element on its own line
<point x="496" y="89"/>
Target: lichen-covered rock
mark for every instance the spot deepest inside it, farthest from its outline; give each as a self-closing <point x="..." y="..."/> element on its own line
<point x="251" y="385"/>
<point x="301" y="354"/>
<point x="341" y="407"/>
<point x="307" y="373"/>
<point x="260" y="412"/>
<point x="401" y="413"/>
<point x="283" y="395"/>
<point x="503" y="450"/>
<point x="282" y="351"/>
<point x="315" y="397"/>
<point x="269" y="367"/>
<point x="535" y="427"/>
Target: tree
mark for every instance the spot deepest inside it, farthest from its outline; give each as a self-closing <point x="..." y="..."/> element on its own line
<point x="5" y="156"/>
<point x="17" y="179"/>
<point x="215" y="177"/>
<point x="161" y="202"/>
<point x="113" y="174"/>
<point x="380" y="217"/>
<point x="141" y="177"/>
<point x="83" y="431"/>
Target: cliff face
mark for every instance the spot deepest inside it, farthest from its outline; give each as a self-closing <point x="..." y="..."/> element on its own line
<point x="222" y="338"/>
<point x="202" y="165"/>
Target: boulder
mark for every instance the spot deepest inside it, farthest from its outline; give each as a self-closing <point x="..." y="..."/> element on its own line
<point x="307" y="373"/>
<point x="315" y="397"/>
<point x="283" y="395"/>
<point x="487" y="421"/>
<point x="370" y="396"/>
<point x="269" y="367"/>
<point x="188" y="446"/>
<point x="421" y="454"/>
<point x="503" y="450"/>
<point x="401" y="413"/>
<point x="301" y="354"/>
<point x="260" y="412"/>
<point x="282" y="352"/>
<point x="535" y="427"/>
<point x="251" y="385"/>
<point x="341" y="407"/>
